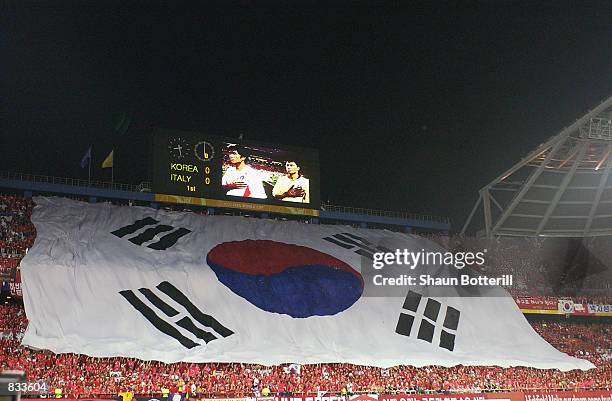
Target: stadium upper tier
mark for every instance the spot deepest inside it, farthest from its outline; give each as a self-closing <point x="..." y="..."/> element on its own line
<point x="563" y="188"/>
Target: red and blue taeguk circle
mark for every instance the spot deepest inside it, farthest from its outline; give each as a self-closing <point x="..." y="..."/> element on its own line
<point x="284" y="278"/>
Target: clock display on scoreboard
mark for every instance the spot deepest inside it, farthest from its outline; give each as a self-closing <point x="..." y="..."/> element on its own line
<point x="196" y="165"/>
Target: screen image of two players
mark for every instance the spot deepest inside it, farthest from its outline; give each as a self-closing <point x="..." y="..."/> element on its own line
<point x="264" y="173"/>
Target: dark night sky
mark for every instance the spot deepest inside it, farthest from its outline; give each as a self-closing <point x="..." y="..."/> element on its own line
<point x="413" y="106"/>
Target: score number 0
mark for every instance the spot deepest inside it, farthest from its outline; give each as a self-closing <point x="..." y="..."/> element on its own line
<point x="207" y="178"/>
<point x="205" y="152"/>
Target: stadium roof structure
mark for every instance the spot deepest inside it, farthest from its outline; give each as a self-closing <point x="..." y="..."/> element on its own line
<point x="561" y="189"/>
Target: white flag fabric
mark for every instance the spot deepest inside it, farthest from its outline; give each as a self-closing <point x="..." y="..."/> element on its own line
<point x="104" y="280"/>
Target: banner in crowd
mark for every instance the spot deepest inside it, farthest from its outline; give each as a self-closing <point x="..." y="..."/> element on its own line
<point x="598" y="395"/>
<point x="233" y="399"/>
<point x="104" y="280"/>
<point x="364" y="397"/>
<point x="554" y="306"/>
<point x="600" y="310"/>
<point x="15" y="285"/>
<point x="444" y="397"/>
<point x="510" y="396"/>
<point x="178" y="397"/>
<point x="7" y="273"/>
<point x="603" y="395"/>
<point x="324" y="396"/>
<point x="74" y="399"/>
<point x="566" y="306"/>
<point x="538" y="305"/>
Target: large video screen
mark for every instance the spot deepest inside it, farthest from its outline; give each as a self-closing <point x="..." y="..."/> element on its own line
<point x="205" y="166"/>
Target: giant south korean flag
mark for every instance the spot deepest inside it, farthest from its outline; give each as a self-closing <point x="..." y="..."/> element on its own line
<point x="103" y="280"/>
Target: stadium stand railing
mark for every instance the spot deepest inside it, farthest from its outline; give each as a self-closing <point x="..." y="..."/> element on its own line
<point x="145" y="186"/>
<point x="329" y="207"/>
<point x="77" y="182"/>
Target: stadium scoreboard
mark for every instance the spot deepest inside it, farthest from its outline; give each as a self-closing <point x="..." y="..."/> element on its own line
<point x="208" y="170"/>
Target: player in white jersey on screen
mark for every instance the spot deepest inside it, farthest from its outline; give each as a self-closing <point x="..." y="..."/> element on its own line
<point x="241" y="179"/>
<point x="292" y="187"/>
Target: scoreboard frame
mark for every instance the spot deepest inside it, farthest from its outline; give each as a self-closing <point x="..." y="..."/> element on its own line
<point x="189" y="167"/>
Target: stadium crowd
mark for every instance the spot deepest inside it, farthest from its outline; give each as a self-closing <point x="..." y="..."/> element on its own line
<point x="81" y="375"/>
<point x="17" y="232"/>
<point x="541" y="267"/>
<point x="592" y="341"/>
<point x="8" y="266"/>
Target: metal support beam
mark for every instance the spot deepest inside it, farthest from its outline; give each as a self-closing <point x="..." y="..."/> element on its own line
<point x="541" y="149"/>
<point x="568" y="159"/>
<point x="526" y="186"/>
<point x="559" y="137"/>
<point x="603" y="159"/>
<point x="469" y="219"/>
<point x="602" y="185"/>
<point x="496" y="203"/>
<point x="564" y="184"/>
<point x="534" y="164"/>
<point x="486" y="204"/>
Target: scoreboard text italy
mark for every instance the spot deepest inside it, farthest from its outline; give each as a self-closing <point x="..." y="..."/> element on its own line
<point x="195" y="165"/>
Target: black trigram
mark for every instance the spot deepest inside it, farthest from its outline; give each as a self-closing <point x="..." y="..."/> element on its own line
<point x="149" y="234"/>
<point x="429" y="321"/>
<point x="349" y="241"/>
<point x="168" y="326"/>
